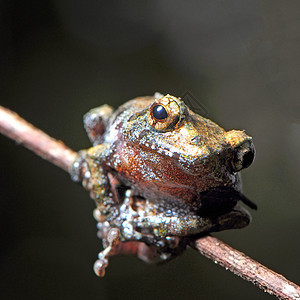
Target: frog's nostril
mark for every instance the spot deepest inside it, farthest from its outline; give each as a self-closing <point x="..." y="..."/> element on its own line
<point x="243" y="156"/>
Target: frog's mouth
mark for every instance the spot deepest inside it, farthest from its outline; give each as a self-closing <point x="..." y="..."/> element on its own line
<point x="221" y="199"/>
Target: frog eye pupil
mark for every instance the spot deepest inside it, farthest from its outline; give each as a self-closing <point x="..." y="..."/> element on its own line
<point x="159" y="112"/>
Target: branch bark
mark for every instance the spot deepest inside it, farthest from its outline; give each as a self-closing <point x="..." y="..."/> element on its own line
<point x="237" y="262"/>
<point x="35" y="140"/>
<point x="247" y="268"/>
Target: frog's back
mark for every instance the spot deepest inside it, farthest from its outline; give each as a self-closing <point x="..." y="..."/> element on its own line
<point x="134" y="105"/>
<point x="123" y="114"/>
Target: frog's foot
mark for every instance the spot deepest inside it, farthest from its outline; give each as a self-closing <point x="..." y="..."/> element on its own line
<point x="121" y="216"/>
<point x="86" y="169"/>
<point x="132" y="221"/>
<point x="102" y="262"/>
<point x="126" y="218"/>
<point x="162" y="225"/>
<point x="79" y="168"/>
<point x="83" y="169"/>
<point x="141" y="223"/>
<point x="95" y="122"/>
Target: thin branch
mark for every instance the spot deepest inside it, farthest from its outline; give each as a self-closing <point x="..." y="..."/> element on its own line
<point x="247" y="268"/>
<point x="24" y="133"/>
<point x="237" y="262"/>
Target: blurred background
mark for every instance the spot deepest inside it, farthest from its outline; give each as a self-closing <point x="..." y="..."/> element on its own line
<point x="59" y="58"/>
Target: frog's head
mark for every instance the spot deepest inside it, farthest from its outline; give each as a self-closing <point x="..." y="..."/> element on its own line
<point x="195" y="140"/>
<point x="196" y="152"/>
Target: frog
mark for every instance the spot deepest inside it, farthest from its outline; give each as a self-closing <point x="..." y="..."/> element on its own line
<point x="160" y="176"/>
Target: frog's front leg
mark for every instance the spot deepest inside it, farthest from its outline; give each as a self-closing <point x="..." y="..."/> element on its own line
<point x="95" y="122"/>
<point x="87" y="168"/>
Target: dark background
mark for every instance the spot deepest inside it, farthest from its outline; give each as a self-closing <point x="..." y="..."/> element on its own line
<point x="59" y="58"/>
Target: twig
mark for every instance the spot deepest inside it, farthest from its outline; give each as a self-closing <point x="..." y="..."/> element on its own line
<point x="56" y="152"/>
<point x="247" y="268"/>
<point x="35" y="140"/>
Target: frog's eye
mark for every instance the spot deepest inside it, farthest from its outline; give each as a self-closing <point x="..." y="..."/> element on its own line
<point x="164" y="113"/>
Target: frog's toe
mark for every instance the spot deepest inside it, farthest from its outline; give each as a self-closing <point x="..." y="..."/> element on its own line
<point x="99" y="267"/>
<point x="77" y="168"/>
<point x="95" y="122"/>
<point x="101" y="263"/>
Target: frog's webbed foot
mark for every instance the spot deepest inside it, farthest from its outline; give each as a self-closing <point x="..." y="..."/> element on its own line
<point x="95" y="122"/>
<point x="130" y="213"/>
<point x="137" y="221"/>
<point x="125" y="214"/>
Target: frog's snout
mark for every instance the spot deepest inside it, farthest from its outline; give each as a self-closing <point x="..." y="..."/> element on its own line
<point x="243" y="156"/>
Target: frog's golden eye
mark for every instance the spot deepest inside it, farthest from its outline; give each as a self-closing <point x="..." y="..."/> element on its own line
<point x="164" y="113"/>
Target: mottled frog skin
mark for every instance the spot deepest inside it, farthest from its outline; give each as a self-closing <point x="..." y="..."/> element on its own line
<point x="160" y="174"/>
